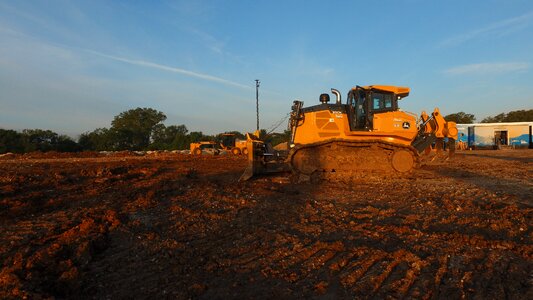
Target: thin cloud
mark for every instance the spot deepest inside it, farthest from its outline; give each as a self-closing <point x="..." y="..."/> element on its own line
<point x="170" y="69"/>
<point x="500" y="28"/>
<point x="488" y="68"/>
<point x="212" y="43"/>
<point x="9" y="31"/>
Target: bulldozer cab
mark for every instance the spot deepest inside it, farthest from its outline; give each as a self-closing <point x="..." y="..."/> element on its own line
<point x="364" y="102"/>
<point x="357" y="108"/>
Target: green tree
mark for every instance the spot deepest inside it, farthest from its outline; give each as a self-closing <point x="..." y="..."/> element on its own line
<point x="170" y="137"/>
<point x="520" y="116"/>
<point x="494" y="119"/>
<point x="179" y="134"/>
<point x="196" y="136"/>
<point x="460" y="118"/>
<point x="66" y="144"/>
<point x="99" y="139"/>
<point x="512" y="116"/>
<point x="47" y="140"/>
<point x="11" y="141"/>
<point x="133" y="129"/>
<point x="39" y="140"/>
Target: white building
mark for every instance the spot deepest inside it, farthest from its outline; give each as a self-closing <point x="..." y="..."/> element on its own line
<point x="493" y="135"/>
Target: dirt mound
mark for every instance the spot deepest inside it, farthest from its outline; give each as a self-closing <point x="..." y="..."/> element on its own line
<point x="125" y="225"/>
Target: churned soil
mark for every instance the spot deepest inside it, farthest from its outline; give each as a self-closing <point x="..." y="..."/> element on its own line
<point x="177" y="226"/>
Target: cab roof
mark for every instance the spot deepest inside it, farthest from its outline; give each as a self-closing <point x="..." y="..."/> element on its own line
<point x="401" y="91"/>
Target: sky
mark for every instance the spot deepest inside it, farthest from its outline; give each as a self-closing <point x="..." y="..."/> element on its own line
<point x="71" y="66"/>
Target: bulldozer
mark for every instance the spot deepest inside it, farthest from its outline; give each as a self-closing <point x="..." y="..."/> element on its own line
<point x="368" y="135"/>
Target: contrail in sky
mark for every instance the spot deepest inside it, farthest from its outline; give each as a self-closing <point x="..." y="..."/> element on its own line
<point x="500" y="28"/>
<point x="170" y="69"/>
<point x="488" y="68"/>
<point x="136" y="62"/>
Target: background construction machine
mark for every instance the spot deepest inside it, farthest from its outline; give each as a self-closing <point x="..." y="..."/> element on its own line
<point x="208" y="146"/>
<point x="367" y="135"/>
<point x="229" y="142"/>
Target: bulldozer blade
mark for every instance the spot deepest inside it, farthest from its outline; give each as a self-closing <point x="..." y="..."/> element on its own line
<point x="268" y="168"/>
<point x="248" y="173"/>
<point x="255" y="162"/>
<point x="260" y="162"/>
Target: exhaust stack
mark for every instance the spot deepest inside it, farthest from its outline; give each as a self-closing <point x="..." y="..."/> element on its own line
<point x="338" y="95"/>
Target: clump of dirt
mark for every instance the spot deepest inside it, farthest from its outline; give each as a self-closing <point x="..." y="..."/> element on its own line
<point x="52" y="265"/>
<point x="124" y="225"/>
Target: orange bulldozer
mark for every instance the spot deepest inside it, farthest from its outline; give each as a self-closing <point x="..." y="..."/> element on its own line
<point x="367" y="135"/>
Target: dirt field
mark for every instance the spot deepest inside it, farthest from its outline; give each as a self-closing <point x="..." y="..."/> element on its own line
<point x="176" y="226"/>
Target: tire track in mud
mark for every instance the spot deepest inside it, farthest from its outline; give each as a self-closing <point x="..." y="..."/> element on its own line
<point x="382" y="270"/>
<point x="368" y="271"/>
<point x="306" y="265"/>
<point x="179" y="233"/>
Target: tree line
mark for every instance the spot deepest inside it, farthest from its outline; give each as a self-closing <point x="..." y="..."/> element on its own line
<point x="512" y="116"/>
<point x="135" y="129"/>
<point x="143" y="129"/>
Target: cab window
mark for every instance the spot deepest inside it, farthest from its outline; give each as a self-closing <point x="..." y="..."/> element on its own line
<point x="377" y="103"/>
<point x="381" y="101"/>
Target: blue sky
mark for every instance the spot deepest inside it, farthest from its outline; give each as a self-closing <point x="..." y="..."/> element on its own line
<point x="71" y="66"/>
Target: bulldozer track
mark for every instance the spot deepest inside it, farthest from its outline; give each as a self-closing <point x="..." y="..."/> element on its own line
<point x="341" y="160"/>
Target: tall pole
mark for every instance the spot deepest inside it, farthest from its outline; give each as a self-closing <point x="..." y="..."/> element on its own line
<point x="257" y="100"/>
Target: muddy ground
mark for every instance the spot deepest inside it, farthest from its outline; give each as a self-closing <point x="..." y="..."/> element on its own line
<point x="176" y="226"/>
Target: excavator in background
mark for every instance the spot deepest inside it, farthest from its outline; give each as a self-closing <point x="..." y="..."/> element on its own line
<point x="368" y="135"/>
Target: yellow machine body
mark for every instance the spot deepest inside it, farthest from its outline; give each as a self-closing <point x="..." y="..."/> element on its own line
<point x="326" y="124"/>
<point x="368" y="134"/>
<point x="231" y="143"/>
<point x="196" y="148"/>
